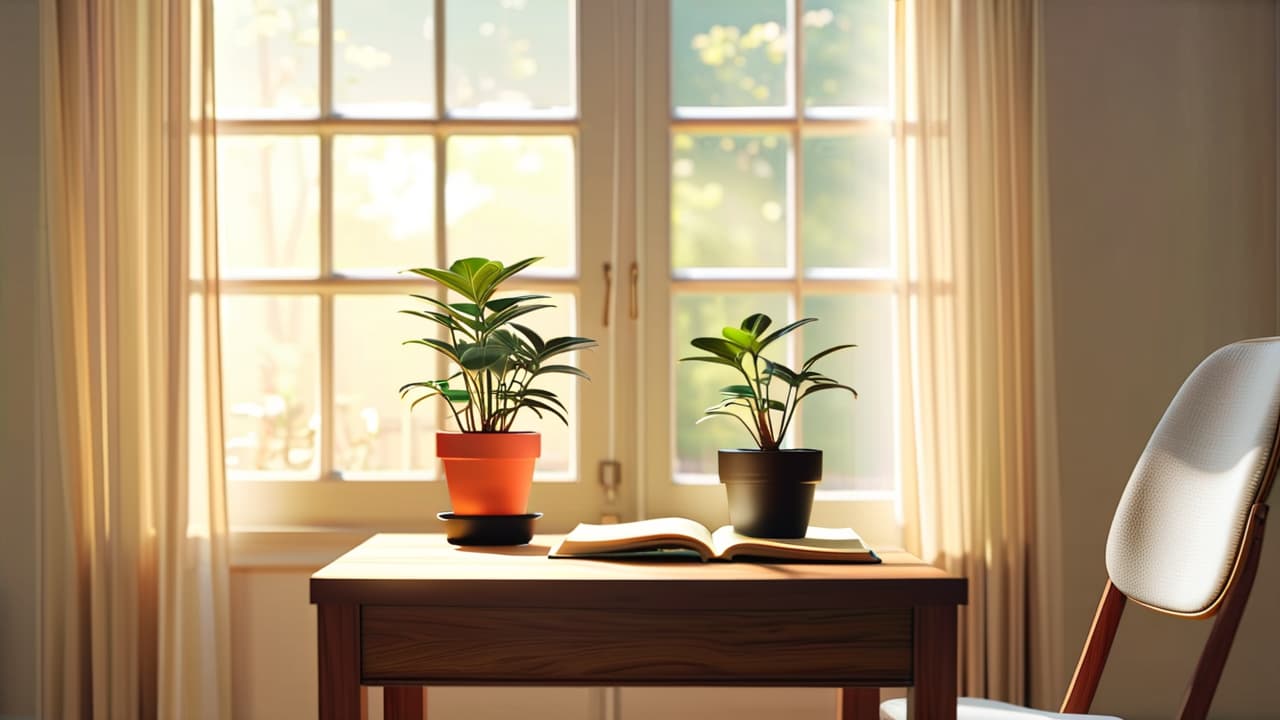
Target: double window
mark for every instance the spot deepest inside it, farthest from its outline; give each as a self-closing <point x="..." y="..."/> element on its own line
<point x="678" y="164"/>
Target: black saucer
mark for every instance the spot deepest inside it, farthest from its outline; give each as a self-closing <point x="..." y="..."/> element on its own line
<point x="488" y="529"/>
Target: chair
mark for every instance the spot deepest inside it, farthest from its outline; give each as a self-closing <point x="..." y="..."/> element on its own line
<point x="1186" y="538"/>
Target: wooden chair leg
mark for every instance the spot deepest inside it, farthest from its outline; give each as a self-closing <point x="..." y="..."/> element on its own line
<point x="1084" y="684"/>
<point x="1204" y="683"/>
<point x="403" y="702"/>
<point x="858" y="703"/>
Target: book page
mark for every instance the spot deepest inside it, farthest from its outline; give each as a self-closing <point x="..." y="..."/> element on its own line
<point x="818" y="542"/>
<point x="657" y="533"/>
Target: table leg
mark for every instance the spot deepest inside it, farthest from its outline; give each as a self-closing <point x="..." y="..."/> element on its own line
<point x="857" y="703"/>
<point x="339" y="644"/>
<point x="933" y="694"/>
<point x="404" y="702"/>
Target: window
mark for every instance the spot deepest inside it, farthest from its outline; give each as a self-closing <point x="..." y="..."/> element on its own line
<point x="737" y="150"/>
<point x="778" y="195"/>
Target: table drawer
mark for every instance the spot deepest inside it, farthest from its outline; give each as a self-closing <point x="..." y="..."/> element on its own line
<point x="452" y="645"/>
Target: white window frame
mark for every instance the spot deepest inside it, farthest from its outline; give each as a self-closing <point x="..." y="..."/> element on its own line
<point x="265" y="500"/>
<point x="622" y="135"/>
<point x="877" y="514"/>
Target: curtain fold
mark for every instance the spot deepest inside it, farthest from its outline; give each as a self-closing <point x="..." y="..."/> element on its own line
<point x="134" y="579"/>
<point x="980" y="490"/>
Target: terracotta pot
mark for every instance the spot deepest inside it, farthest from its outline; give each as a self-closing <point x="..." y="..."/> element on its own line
<point x="489" y="473"/>
<point x="770" y="492"/>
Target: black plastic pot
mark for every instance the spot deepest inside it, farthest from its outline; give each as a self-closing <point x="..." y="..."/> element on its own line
<point x="770" y="491"/>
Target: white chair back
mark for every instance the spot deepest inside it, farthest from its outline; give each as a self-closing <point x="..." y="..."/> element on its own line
<point x="1176" y="533"/>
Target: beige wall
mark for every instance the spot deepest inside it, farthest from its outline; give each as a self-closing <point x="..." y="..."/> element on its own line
<point x="19" y="177"/>
<point x="1162" y="145"/>
<point x="1162" y="152"/>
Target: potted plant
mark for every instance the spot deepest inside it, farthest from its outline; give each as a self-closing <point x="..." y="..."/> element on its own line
<point x="495" y="364"/>
<point x="769" y="488"/>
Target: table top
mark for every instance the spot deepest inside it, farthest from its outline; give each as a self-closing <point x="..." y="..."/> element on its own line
<point x="423" y="569"/>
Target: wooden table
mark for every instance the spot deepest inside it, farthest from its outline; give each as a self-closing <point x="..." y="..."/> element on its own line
<point x="405" y="611"/>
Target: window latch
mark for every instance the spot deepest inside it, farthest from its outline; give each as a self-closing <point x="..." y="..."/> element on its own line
<point x="610" y="477"/>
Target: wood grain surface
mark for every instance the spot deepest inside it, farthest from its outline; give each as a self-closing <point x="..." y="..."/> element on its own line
<point x="400" y="702"/>
<point x="339" y="653"/>
<point x="446" y="645"/>
<point x="409" y="569"/>
<point x="933" y="694"/>
<point x="858" y="703"/>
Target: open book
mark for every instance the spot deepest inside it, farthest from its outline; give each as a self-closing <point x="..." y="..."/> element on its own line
<point x="647" y="538"/>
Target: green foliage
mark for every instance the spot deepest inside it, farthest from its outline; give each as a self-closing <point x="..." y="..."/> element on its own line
<point x="742" y="349"/>
<point x="497" y="359"/>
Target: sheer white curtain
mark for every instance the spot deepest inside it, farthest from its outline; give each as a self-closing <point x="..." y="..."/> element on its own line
<point x="134" y="585"/>
<point x="980" y="495"/>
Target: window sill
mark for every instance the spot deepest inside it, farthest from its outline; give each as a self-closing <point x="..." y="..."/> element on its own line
<point x="291" y="547"/>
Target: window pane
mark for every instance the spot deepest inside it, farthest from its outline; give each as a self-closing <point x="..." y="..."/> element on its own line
<point x="373" y="429"/>
<point x="266" y="54"/>
<point x="846" y="54"/>
<point x="510" y="197"/>
<point x="855" y="436"/>
<point x="270" y="370"/>
<point x="268" y="204"/>
<point x="383" y="58"/>
<point x="383" y="202"/>
<point x="729" y="201"/>
<point x="846" y="202"/>
<point x="510" y="58"/>
<point x="697" y="384"/>
<point x="729" y="53"/>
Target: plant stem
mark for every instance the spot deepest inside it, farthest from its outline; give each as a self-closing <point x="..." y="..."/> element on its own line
<point x="763" y="419"/>
<point x="786" y="419"/>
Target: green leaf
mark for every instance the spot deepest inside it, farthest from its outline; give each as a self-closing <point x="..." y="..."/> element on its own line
<point x="482" y="357"/>
<point x="439" y="318"/>
<point x="451" y="280"/>
<point x="456" y="396"/>
<point x="711" y="359"/>
<point x="507" y="340"/>
<point x="778" y="370"/>
<point x="557" y="346"/>
<point x="511" y="313"/>
<point x="467" y="308"/>
<point x="432" y="384"/>
<point x="818" y="356"/>
<point x="485" y="281"/>
<point x="439" y="346"/>
<point x="473" y="278"/>
<point x="514" y="268"/>
<point x="414" y="404"/>
<point x="825" y="386"/>
<point x="467" y="322"/>
<point x="744" y="403"/>
<point x="756" y="324"/>
<point x="531" y="403"/>
<point x="744" y="340"/>
<point x="534" y="338"/>
<point x="784" y="330"/>
<point x="503" y="303"/>
<point x="545" y="395"/>
<point x="719" y="347"/>
<point x="742" y="391"/>
<point x="720" y="413"/>
<point x="562" y="369"/>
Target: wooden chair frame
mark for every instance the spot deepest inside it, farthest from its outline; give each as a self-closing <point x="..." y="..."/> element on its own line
<point x="1228" y="607"/>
